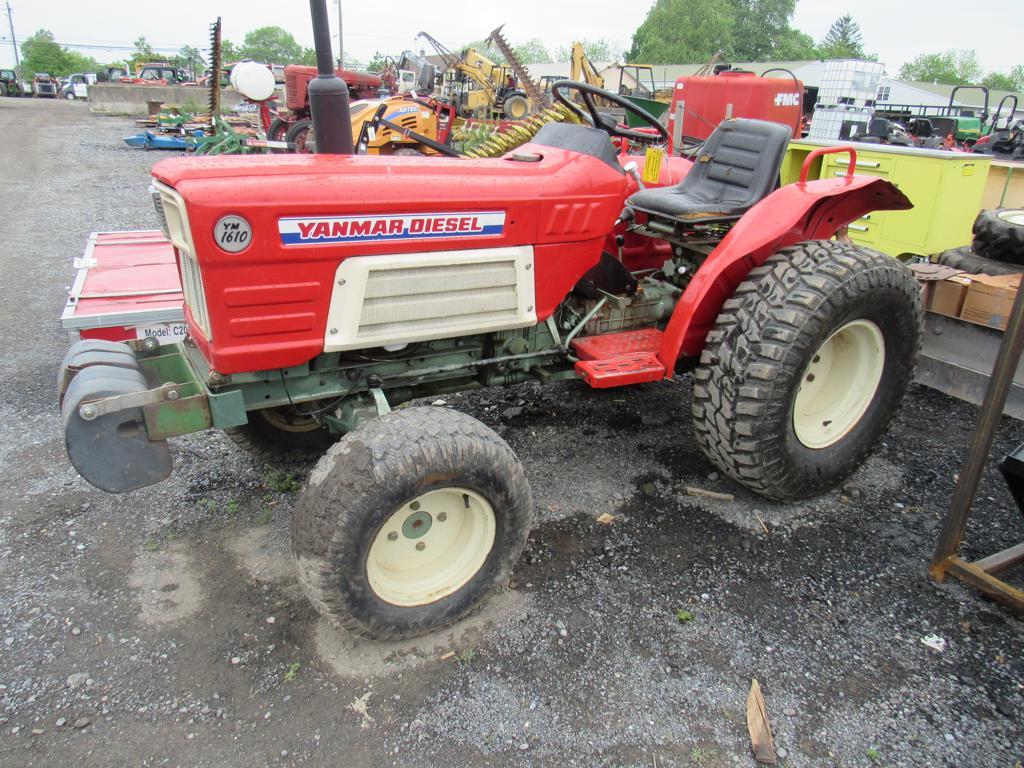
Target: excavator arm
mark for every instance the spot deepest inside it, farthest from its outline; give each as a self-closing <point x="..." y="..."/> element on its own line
<point x="582" y="69"/>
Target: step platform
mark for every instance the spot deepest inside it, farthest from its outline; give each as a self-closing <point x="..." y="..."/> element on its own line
<point x="618" y="359"/>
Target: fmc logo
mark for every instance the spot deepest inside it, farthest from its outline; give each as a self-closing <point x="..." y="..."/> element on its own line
<point x="309" y="230"/>
<point x="787" y="100"/>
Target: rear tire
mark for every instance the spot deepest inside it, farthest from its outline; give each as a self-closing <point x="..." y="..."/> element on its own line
<point x="378" y="494"/>
<point x="999" y="235"/>
<point x="806" y="366"/>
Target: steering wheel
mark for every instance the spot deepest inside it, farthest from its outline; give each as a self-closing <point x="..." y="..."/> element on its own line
<point x="605" y="122"/>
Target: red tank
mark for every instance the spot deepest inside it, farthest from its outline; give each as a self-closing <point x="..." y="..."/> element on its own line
<point x="708" y="101"/>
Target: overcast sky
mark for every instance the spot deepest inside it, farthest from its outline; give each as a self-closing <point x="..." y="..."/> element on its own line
<point x="895" y="31"/>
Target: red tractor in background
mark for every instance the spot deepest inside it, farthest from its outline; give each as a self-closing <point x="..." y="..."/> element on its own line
<point x="361" y="85"/>
<point x="322" y="290"/>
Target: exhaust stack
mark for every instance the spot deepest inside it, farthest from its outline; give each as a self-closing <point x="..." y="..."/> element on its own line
<point x="328" y="93"/>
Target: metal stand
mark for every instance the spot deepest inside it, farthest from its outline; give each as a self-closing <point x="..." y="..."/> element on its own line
<point x="983" y="573"/>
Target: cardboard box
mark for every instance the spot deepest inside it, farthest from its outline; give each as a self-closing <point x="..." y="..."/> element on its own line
<point x="989" y="299"/>
<point x="947" y="296"/>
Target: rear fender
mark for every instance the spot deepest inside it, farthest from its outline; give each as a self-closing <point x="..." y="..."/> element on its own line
<point x="812" y="210"/>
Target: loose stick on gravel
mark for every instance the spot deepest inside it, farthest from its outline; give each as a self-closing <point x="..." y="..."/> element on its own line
<point x="761" y="740"/>
<point x="693" y="491"/>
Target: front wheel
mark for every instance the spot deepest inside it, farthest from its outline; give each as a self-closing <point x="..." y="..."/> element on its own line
<point x="807" y="364"/>
<point x="282" y="434"/>
<point x="516" y="107"/>
<point x="278" y="131"/>
<point x="298" y="135"/>
<point x="409" y="521"/>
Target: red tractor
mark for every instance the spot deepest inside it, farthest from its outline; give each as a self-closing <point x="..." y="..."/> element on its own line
<point x="361" y="85"/>
<point x="322" y="290"/>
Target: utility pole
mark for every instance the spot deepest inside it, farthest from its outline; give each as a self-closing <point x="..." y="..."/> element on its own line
<point x="341" y="41"/>
<point x="14" y="42"/>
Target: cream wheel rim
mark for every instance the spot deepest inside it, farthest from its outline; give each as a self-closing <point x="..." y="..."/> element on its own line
<point x="431" y="547"/>
<point x="839" y="384"/>
<point x="1015" y="216"/>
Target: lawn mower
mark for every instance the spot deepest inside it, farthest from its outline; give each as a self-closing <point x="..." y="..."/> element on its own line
<point x="322" y="291"/>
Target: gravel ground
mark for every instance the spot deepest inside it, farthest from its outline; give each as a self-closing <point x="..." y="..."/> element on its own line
<point x="165" y="627"/>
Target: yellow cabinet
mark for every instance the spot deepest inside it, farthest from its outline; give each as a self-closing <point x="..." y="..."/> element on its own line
<point x="945" y="188"/>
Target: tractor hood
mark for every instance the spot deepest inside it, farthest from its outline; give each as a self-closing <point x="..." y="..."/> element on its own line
<point x="563" y="195"/>
<point x="261" y="239"/>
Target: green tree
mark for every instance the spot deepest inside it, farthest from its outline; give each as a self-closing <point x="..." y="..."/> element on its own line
<point x="1005" y="81"/>
<point x="378" y="62"/>
<point x="949" y="68"/>
<point x="143" y="53"/>
<point x="998" y="81"/>
<point x="40" y="53"/>
<point x="683" y="32"/>
<point x="842" y="41"/>
<point x="189" y="58"/>
<point x="759" y="29"/>
<point x="794" y="45"/>
<point x="229" y="52"/>
<point x="79" y="62"/>
<point x="485" y="48"/>
<point x="270" y="45"/>
<point x="600" y="50"/>
<point x="532" y="52"/>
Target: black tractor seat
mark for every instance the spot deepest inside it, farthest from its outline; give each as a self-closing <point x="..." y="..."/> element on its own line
<point x="738" y="166"/>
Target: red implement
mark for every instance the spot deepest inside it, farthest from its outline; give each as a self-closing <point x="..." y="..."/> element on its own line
<point x="127" y="284"/>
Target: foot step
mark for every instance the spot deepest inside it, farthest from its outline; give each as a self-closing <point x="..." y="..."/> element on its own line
<point x="617" y="359"/>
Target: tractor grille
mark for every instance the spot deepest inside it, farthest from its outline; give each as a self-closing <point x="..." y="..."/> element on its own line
<point x="390" y="300"/>
<point x="174" y="222"/>
<point x="407" y="299"/>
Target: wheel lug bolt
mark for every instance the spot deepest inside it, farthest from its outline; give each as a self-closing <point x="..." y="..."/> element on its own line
<point x="414" y="506"/>
<point x="442" y="516"/>
<point x="393" y="536"/>
<point x="810" y="377"/>
<point x="420" y="546"/>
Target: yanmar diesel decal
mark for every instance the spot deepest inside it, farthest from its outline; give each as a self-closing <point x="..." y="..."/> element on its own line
<point x="306" y="230"/>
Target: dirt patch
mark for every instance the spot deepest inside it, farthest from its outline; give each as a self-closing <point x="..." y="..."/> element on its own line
<point x="166" y="585"/>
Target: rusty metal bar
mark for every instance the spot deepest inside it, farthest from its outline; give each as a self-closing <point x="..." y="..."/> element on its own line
<point x="995" y="588"/>
<point x="1001" y="561"/>
<point x="981" y="443"/>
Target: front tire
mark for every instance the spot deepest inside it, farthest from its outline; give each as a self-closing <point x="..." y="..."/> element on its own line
<point x="281" y="434"/>
<point x="278" y="131"/>
<point x="298" y="134"/>
<point x="807" y="364"/>
<point x="516" y="107"/>
<point x="409" y="521"/>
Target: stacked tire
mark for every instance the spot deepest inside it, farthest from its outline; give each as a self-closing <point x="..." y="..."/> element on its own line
<point x="999" y="235"/>
<point x="997" y="247"/>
